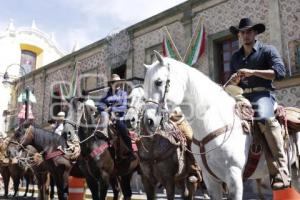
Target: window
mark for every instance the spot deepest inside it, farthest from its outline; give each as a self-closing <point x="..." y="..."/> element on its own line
<point x="28" y="61"/>
<point x="89" y="80"/>
<point x="223" y="48"/>
<point x="121" y="71"/>
<point x="227" y="48"/>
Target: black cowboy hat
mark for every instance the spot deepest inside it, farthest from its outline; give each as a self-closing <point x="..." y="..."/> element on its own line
<point x="245" y="24"/>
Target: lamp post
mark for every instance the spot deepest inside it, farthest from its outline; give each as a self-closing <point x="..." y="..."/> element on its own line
<point x="6" y="81"/>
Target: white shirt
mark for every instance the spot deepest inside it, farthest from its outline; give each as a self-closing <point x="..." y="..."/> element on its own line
<point x="59" y="129"/>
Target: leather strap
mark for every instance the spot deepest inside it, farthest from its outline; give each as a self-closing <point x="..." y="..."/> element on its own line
<point x="99" y="150"/>
<point x="53" y="154"/>
<point x="204" y="141"/>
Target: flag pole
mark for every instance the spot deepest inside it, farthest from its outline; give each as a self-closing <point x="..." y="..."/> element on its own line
<point x="193" y="39"/>
<point x="173" y="44"/>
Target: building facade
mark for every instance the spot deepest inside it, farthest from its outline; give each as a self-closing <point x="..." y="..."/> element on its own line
<point x="126" y="52"/>
<point x="23" y="50"/>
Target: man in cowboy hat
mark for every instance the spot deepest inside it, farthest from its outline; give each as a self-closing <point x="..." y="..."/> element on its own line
<point x="59" y="126"/>
<point x="115" y="102"/>
<point x="254" y="67"/>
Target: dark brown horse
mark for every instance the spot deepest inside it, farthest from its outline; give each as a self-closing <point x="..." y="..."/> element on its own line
<point x="100" y="153"/>
<point x="47" y="143"/>
<point x="4" y="164"/>
<point x="162" y="158"/>
<point x="10" y="168"/>
<point x="16" y="171"/>
<point x="31" y="158"/>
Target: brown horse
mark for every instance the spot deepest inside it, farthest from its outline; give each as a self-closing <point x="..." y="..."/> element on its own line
<point x="162" y="158"/>
<point x="47" y="143"/>
<point x="16" y="171"/>
<point x="99" y="153"/>
<point x="31" y="158"/>
<point x="4" y="163"/>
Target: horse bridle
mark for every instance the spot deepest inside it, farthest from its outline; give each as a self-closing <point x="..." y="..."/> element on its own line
<point x="96" y="128"/>
<point x="161" y="105"/>
<point x="66" y="121"/>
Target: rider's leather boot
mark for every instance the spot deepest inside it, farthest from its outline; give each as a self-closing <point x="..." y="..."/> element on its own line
<point x="193" y="168"/>
<point x="275" y="142"/>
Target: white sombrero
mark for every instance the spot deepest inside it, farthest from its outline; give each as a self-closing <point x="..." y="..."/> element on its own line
<point x="91" y="104"/>
<point x="61" y="115"/>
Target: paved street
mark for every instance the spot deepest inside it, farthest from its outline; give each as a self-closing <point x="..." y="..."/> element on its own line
<point x="249" y="194"/>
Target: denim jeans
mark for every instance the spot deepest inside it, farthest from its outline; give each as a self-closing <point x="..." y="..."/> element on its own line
<point x="121" y="127"/>
<point x="263" y="105"/>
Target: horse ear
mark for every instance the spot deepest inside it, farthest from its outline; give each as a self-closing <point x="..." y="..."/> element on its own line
<point x="147" y="66"/>
<point x="159" y="57"/>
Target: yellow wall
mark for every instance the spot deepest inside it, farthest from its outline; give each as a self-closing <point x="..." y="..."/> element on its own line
<point x="38" y="51"/>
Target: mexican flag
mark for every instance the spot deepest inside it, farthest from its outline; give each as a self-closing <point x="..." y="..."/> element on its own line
<point x="197" y="45"/>
<point x="169" y="48"/>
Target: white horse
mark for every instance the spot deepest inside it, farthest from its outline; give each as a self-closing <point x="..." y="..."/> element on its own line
<point x="208" y="108"/>
<point x="136" y="103"/>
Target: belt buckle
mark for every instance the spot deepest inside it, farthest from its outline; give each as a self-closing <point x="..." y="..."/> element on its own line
<point x="248" y="90"/>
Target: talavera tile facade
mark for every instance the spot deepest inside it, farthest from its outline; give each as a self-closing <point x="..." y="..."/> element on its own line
<point x="218" y="15"/>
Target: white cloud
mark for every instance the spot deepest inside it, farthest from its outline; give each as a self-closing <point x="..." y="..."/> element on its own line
<point x="3" y="25"/>
<point x="121" y="12"/>
<point x="71" y="36"/>
<point x="130" y="11"/>
<point x="98" y="17"/>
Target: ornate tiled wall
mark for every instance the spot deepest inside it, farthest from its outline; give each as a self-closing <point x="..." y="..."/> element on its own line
<point x="95" y="61"/>
<point x="37" y="108"/>
<point x="153" y="38"/>
<point x="216" y="19"/>
<point x="290" y="26"/>
<point x="289" y="96"/>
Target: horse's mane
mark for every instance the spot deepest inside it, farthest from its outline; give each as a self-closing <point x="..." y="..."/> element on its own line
<point x="44" y="137"/>
<point x="138" y="85"/>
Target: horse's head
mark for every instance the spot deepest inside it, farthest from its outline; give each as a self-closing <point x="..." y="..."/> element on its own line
<point x="136" y="103"/>
<point x="80" y="114"/>
<point x="165" y="86"/>
<point x="24" y="134"/>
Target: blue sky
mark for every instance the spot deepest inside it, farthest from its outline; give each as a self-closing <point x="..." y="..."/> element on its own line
<point x="81" y="21"/>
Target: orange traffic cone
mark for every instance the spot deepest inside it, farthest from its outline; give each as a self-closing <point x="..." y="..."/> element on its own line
<point x="76" y="188"/>
<point x="286" y="194"/>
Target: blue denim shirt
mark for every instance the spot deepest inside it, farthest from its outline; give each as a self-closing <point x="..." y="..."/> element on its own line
<point x="262" y="57"/>
<point x="117" y="102"/>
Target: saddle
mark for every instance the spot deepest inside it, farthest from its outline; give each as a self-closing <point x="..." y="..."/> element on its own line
<point x="288" y="117"/>
<point x="115" y="140"/>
